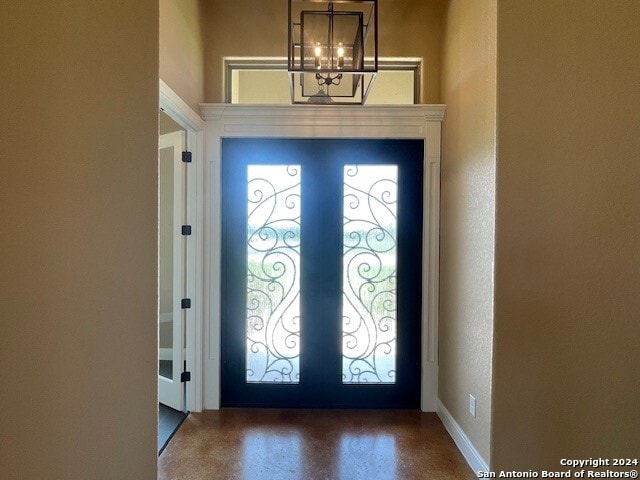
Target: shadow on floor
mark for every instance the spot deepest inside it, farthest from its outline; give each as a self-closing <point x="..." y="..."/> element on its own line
<point x="169" y="420"/>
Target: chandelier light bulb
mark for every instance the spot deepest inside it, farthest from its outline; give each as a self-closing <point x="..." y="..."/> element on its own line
<point x="340" y="55"/>
<point x="317" y="52"/>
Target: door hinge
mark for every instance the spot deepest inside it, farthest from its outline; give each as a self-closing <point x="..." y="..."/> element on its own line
<point x="186" y="229"/>
<point x="186" y="157"/>
<point x="185" y="377"/>
<point x="186" y="303"/>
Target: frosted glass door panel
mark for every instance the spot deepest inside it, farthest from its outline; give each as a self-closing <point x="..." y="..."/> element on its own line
<point x="166" y="230"/>
<point x="369" y="274"/>
<point x="273" y="274"/>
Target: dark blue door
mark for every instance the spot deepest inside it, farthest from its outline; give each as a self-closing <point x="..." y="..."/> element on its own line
<point x="321" y="272"/>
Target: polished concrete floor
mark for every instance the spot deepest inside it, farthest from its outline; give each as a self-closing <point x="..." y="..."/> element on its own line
<point x="273" y="444"/>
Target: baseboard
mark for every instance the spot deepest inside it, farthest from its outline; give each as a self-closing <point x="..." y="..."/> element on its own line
<point x="471" y="455"/>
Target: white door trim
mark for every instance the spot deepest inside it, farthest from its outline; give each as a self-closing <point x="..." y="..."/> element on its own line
<point x="407" y="121"/>
<point x="184" y="115"/>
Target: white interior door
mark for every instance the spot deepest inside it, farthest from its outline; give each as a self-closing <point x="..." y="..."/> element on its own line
<point x="171" y="268"/>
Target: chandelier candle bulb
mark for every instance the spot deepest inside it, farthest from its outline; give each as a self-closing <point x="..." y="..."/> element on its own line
<point x="318" y="52"/>
<point x="340" y="55"/>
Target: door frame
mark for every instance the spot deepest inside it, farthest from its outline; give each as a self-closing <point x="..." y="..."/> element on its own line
<point x="301" y="121"/>
<point x="193" y="124"/>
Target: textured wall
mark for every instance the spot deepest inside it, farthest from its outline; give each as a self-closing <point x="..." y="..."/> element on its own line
<point x="567" y="320"/>
<point x="182" y="49"/>
<point x="78" y="203"/>
<point x="408" y="28"/>
<point x="468" y="215"/>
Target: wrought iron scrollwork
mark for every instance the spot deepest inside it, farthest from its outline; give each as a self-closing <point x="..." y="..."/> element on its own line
<point x="273" y="283"/>
<point x="369" y="274"/>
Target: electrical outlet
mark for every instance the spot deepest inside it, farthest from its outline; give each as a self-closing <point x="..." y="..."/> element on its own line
<point x="472" y="405"/>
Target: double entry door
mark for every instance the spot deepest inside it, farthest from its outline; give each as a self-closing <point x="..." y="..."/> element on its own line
<point x="321" y="272"/>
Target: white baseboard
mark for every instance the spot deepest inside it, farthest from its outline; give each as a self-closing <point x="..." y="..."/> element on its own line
<point x="471" y="455"/>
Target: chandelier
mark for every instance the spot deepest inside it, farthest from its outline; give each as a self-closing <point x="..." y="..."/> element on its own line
<point x="333" y="50"/>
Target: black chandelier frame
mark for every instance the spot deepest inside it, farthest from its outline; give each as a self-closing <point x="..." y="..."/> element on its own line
<point x="313" y="81"/>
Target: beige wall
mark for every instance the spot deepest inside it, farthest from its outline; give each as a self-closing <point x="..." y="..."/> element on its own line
<point x="567" y="320"/>
<point x="251" y="28"/>
<point x="78" y="240"/>
<point x="182" y="49"/>
<point x="413" y="28"/>
<point x="468" y="215"/>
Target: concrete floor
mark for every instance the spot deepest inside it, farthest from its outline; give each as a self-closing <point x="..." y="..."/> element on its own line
<point x="276" y="444"/>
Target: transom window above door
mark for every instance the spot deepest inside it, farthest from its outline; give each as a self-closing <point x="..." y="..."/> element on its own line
<point x="264" y="80"/>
